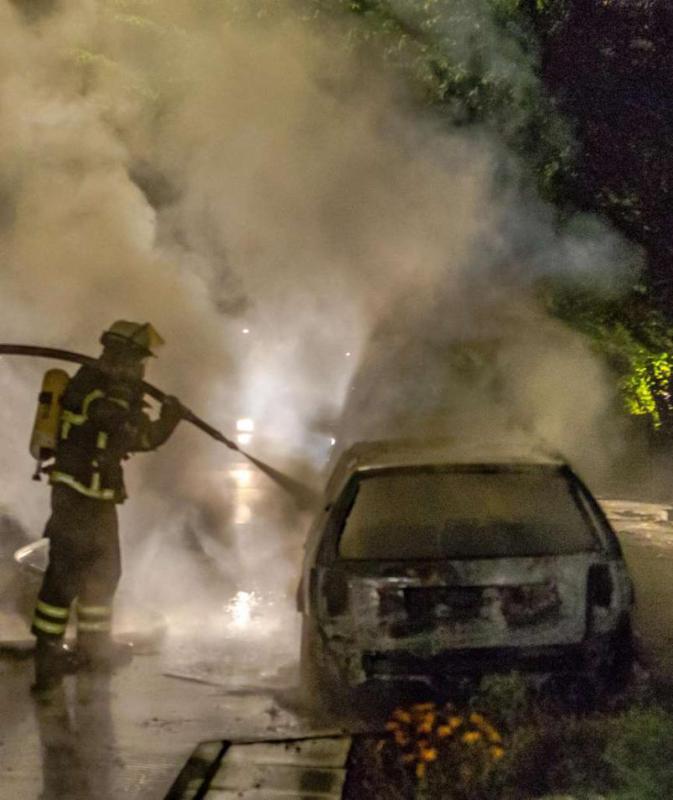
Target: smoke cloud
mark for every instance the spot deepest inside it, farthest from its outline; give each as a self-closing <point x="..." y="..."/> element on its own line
<point x="215" y="168"/>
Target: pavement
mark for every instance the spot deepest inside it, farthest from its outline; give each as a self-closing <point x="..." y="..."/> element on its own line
<point x="296" y="769"/>
<point x="127" y="735"/>
<point x="197" y="678"/>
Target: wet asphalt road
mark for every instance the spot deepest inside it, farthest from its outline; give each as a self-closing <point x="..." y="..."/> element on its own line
<point x="129" y="735"/>
<point x="652" y="572"/>
<point x="125" y="736"/>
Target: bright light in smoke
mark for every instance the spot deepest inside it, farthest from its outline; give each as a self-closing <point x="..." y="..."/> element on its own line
<point x="242" y="476"/>
<point x="332" y="441"/>
<point x="241" y="608"/>
<point x="246" y="330"/>
<point x="245" y="427"/>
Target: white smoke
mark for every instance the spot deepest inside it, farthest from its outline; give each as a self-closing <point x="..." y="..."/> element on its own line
<point x="188" y="164"/>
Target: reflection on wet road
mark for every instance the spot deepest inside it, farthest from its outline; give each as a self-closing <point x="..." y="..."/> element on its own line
<point x="123" y="737"/>
<point x="229" y="672"/>
<point x="76" y="740"/>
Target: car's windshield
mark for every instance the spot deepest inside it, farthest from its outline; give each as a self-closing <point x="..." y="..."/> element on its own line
<point x="430" y="514"/>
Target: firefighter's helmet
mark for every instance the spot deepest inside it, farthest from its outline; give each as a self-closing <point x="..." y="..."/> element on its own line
<point x="139" y="338"/>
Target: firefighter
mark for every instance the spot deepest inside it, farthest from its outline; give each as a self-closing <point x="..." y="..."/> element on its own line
<point x="101" y="421"/>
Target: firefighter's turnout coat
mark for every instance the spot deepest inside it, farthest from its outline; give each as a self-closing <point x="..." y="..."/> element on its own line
<point x="102" y="422"/>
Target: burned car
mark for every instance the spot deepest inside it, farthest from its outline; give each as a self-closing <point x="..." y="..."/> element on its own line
<point x="434" y="560"/>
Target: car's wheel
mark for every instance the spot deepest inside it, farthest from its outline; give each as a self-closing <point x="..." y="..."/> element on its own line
<point x="611" y="668"/>
<point x="619" y="669"/>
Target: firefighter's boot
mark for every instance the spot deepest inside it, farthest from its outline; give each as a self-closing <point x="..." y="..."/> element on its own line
<point x="99" y="652"/>
<point x="50" y="665"/>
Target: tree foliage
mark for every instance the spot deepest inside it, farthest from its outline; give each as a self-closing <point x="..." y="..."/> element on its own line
<point x="575" y="89"/>
<point x="635" y="340"/>
<point x="446" y="46"/>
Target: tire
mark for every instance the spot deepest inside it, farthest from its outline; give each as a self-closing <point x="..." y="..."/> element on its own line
<point x="619" y="670"/>
<point x="612" y="673"/>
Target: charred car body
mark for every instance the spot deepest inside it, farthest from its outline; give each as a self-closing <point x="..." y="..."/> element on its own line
<point x="428" y="560"/>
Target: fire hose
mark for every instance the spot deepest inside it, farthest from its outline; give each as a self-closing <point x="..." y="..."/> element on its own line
<point x="303" y="495"/>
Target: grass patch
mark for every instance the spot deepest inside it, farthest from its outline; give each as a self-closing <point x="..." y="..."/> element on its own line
<point x="508" y="743"/>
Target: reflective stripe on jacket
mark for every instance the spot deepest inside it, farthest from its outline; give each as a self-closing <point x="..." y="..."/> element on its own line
<point x="102" y="421"/>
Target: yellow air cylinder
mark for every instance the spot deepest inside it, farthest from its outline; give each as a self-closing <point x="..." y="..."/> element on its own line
<point x="45" y="430"/>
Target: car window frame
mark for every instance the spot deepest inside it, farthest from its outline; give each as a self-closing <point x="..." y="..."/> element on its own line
<point x="328" y="550"/>
<point x="597" y="517"/>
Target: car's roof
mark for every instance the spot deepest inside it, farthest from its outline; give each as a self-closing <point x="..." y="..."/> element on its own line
<point x="391" y="453"/>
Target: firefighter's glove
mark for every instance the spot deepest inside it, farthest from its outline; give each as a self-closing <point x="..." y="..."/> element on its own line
<point x="172" y="411"/>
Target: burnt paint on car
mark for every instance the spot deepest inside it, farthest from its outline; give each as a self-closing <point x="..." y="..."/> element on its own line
<point x="374" y="617"/>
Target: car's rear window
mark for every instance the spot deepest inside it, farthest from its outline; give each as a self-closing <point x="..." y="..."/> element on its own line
<point x="471" y="514"/>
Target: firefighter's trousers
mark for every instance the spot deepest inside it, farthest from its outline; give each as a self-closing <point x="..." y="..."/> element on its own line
<point x="84" y="564"/>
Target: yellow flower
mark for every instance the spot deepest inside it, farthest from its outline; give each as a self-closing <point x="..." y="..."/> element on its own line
<point x="455" y="722"/>
<point x="493" y="735"/>
<point x="430" y="754"/>
<point x="497" y="753"/>
<point x="402" y="716"/>
<point x="471" y="737"/>
<point x="420" y="770"/>
<point x="444" y="730"/>
<point x="477" y="719"/>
